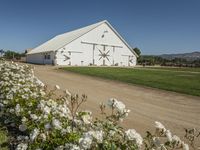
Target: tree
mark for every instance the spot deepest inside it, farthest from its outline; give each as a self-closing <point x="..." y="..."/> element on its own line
<point x="137" y="50"/>
<point x="11" y="55"/>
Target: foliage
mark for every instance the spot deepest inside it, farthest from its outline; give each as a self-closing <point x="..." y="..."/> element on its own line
<point x="192" y="136"/>
<point x="151" y="60"/>
<point x="3" y="138"/>
<point x="168" y="79"/>
<point x="137" y="50"/>
<point x="12" y="54"/>
<point x="41" y="120"/>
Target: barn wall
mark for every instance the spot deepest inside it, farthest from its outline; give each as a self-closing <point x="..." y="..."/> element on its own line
<point x="39" y="58"/>
<point x="35" y="58"/>
<point x="84" y="52"/>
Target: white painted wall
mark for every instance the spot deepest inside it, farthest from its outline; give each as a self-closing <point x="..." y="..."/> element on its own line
<point x="85" y="57"/>
<point x="38" y="58"/>
<point x="82" y="54"/>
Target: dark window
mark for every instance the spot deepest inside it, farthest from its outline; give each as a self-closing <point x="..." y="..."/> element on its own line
<point x="47" y="56"/>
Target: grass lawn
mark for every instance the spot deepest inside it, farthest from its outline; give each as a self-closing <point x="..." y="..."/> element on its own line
<point x="171" y="79"/>
<point x="174" y="68"/>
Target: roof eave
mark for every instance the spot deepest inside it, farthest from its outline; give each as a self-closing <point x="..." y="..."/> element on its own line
<point x="40" y="52"/>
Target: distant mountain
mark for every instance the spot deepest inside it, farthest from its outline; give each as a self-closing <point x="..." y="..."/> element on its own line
<point x="188" y="56"/>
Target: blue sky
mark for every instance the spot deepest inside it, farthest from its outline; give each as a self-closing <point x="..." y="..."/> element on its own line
<point x="154" y="26"/>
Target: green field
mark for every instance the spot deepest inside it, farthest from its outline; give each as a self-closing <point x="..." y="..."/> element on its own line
<point x="185" y="80"/>
<point x="174" y="69"/>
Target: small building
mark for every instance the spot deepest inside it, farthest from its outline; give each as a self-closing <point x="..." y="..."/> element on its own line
<point x="97" y="44"/>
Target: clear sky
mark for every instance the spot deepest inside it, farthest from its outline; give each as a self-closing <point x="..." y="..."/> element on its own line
<point x="154" y="26"/>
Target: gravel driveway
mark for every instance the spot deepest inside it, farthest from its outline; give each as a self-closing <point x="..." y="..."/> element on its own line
<point x="147" y="105"/>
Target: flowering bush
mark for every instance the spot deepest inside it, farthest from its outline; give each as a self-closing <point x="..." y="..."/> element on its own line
<point x="44" y="121"/>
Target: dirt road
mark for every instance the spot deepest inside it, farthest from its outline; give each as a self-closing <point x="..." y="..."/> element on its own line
<point x="147" y="105"/>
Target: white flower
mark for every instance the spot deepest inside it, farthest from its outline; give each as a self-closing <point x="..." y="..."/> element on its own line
<point x="112" y="132"/>
<point x="34" y="134"/>
<point x="67" y="93"/>
<point x="160" y="126"/>
<point x="56" y="124"/>
<point x="85" y="142"/>
<point x="120" y="106"/>
<point x="12" y="110"/>
<point x="40" y="83"/>
<point x="163" y="147"/>
<point x="17" y="109"/>
<point x="22" y="146"/>
<point x="5" y="102"/>
<point x="57" y="87"/>
<point x="131" y="134"/>
<point x="33" y="117"/>
<point x="22" y="127"/>
<point x="168" y="135"/>
<point x="61" y="147"/>
<point x="111" y="102"/>
<point x="98" y="135"/>
<point x="47" y="126"/>
<point x="156" y="142"/>
<point x="67" y="130"/>
<point x="177" y="141"/>
<point x="21" y="137"/>
<point x="42" y="93"/>
<point x="43" y="136"/>
<point x="126" y="111"/>
<point x="24" y="119"/>
<point x="1" y="105"/>
<point x="63" y="131"/>
<point x="185" y="146"/>
<point x="77" y="122"/>
<point x="87" y="118"/>
<point x="46" y="110"/>
<point x="71" y="146"/>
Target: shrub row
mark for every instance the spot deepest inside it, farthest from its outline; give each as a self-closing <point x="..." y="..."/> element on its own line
<point x="41" y="120"/>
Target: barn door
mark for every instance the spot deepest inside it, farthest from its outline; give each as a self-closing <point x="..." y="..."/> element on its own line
<point x="67" y="58"/>
<point x="73" y="58"/>
<point x="104" y="55"/>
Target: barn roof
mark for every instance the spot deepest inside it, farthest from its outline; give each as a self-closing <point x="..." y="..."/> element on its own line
<point x="61" y="40"/>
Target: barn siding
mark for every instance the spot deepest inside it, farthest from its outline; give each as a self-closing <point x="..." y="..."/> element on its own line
<point x="78" y="53"/>
<point x="38" y="58"/>
<point x="85" y="57"/>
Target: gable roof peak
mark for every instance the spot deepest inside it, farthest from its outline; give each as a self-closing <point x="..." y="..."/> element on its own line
<point x="61" y="40"/>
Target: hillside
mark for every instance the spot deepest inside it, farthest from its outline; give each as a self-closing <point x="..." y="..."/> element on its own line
<point x="188" y="56"/>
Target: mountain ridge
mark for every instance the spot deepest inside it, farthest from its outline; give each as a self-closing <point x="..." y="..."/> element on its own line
<point x="188" y="56"/>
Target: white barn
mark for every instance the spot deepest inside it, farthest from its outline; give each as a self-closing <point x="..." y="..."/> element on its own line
<point x="97" y="44"/>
